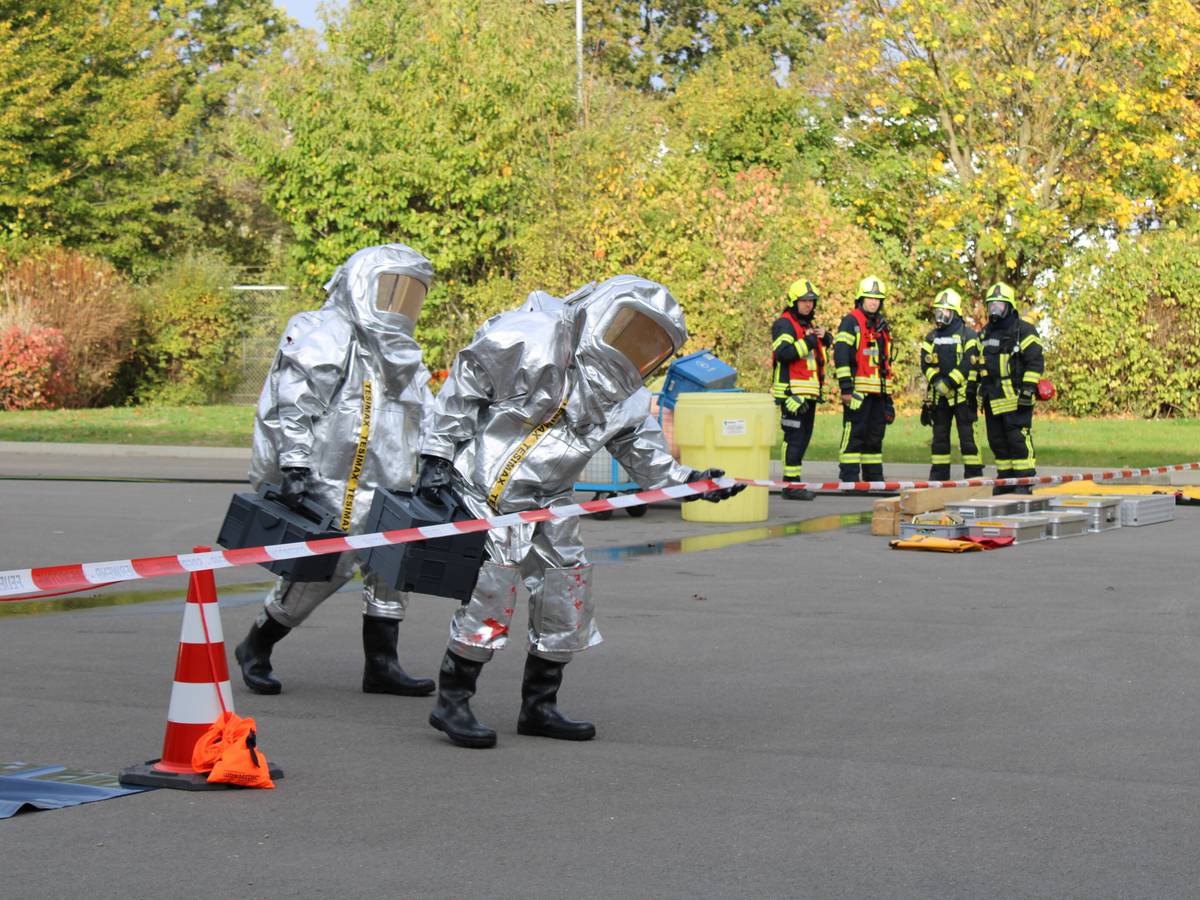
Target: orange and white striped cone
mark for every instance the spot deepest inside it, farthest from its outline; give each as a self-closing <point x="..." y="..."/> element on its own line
<point x="199" y="695"/>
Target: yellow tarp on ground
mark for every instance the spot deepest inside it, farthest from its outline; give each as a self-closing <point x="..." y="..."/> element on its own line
<point x="1189" y="492"/>
<point x="940" y="545"/>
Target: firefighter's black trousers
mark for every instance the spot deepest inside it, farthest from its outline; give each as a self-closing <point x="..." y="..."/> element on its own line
<point x="797" y="433"/>
<point x="944" y="416"/>
<point x="1010" y="435"/>
<point x="862" y="440"/>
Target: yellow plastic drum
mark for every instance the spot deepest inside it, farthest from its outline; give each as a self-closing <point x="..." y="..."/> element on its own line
<point x="731" y="431"/>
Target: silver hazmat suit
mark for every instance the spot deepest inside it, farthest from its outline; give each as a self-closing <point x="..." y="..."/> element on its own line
<point x="527" y="403"/>
<point x="345" y="398"/>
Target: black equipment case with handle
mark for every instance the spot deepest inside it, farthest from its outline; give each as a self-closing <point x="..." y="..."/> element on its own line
<point x="254" y="520"/>
<point x="443" y="567"/>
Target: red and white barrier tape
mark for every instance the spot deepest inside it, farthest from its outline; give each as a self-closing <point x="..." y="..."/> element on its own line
<point x="22" y="584"/>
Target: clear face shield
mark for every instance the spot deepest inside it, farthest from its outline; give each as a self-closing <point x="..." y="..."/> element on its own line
<point x="401" y="294"/>
<point x="640" y="339"/>
<point x="943" y="316"/>
<point x="997" y="309"/>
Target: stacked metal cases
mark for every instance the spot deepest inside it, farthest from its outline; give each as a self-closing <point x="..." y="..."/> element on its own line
<point x="1061" y="523"/>
<point x="1105" y="512"/>
<point x="1032" y="504"/>
<point x="910" y="529"/>
<point x="1146" y="509"/>
<point x="1023" y="529"/>
<point x="985" y="507"/>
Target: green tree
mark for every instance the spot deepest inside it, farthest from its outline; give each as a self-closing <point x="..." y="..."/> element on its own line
<point x="644" y="199"/>
<point x="111" y="116"/>
<point x="90" y="126"/>
<point x="1126" y="335"/>
<point x="988" y="139"/>
<point x="421" y="122"/>
<point x="656" y="46"/>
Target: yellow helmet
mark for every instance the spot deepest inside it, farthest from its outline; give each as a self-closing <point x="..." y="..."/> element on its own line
<point x="1002" y="291"/>
<point x="871" y="286"/>
<point x="948" y="299"/>
<point x="802" y="289"/>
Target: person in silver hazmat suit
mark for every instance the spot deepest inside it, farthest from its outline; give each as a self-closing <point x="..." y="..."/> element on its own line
<point x="527" y="403"/>
<point x="341" y="414"/>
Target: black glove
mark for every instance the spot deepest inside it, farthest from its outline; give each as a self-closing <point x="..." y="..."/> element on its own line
<point x="889" y="411"/>
<point x="293" y="486"/>
<point x="433" y="477"/>
<point x="972" y="408"/>
<point x="715" y="496"/>
<point x="927" y="412"/>
<point x="1026" y="397"/>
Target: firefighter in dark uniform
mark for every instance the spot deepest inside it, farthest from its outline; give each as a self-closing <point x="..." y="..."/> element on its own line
<point x="861" y="355"/>
<point x="799" y="349"/>
<point x="949" y="357"/>
<point x="1011" y="364"/>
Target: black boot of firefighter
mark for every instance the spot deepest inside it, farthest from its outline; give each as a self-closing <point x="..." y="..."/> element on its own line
<point x="382" y="673"/>
<point x="452" y="712"/>
<point x="254" y="654"/>
<point x="796" y="493"/>
<point x="540" y="715"/>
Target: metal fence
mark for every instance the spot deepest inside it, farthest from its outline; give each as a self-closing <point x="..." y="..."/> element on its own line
<point x="265" y="305"/>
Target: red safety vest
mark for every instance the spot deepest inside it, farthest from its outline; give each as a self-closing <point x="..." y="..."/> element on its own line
<point x="870" y="356"/>
<point x="797" y="377"/>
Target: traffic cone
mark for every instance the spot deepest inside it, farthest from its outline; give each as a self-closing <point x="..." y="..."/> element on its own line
<point x="200" y="693"/>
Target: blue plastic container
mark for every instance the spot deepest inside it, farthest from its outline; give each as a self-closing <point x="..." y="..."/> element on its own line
<point x="699" y="371"/>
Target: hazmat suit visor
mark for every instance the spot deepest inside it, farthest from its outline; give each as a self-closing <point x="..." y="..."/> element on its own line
<point x="998" y="309"/>
<point x="639" y="339"/>
<point x="399" y="294"/>
<point x="943" y="316"/>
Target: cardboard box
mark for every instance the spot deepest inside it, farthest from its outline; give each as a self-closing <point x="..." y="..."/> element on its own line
<point x="919" y="500"/>
<point x="886" y="516"/>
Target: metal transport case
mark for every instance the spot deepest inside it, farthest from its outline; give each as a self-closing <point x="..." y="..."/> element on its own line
<point x="444" y="567"/>
<point x="1022" y="529"/>
<point x="910" y="529"/>
<point x="1146" y="509"/>
<point x="985" y="507"/>
<point x="254" y="520"/>
<point x="1031" y="503"/>
<point x="1105" y="512"/>
<point x="1061" y="523"/>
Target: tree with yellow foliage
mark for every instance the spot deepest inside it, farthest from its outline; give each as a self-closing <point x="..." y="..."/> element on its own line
<point x="992" y="137"/>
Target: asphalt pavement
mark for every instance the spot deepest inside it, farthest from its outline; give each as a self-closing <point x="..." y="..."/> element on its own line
<point x="784" y="709"/>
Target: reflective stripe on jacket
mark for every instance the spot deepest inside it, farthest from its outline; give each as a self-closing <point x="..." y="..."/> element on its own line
<point x="801" y="372"/>
<point x="861" y="354"/>
<point x="1011" y="358"/>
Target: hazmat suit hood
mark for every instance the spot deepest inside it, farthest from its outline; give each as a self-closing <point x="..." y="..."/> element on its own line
<point x="380" y="290"/>
<point x="627" y="327"/>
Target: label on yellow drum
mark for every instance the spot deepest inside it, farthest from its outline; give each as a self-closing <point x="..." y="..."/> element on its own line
<point x="733" y="426"/>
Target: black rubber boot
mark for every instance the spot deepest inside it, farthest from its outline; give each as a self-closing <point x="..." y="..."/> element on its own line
<point x="939" y="472"/>
<point x="382" y="673"/>
<point x="540" y="715"/>
<point x="972" y="471"/>
<point x="452" y="712"/>
<point x="797" y="493"/>
<point x="254" y="655"/>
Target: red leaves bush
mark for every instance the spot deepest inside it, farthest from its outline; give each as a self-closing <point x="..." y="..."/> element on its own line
<point x="33" y="368"/>
<point x="83" y="299"/>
